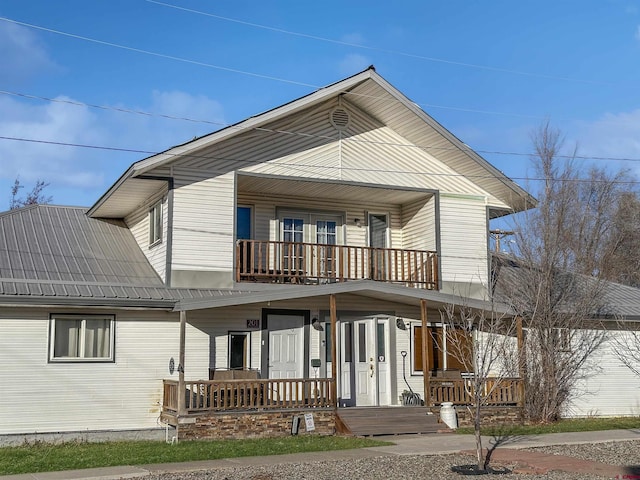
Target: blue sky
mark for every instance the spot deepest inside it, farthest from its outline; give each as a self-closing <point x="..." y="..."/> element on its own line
<point x="490" y="72"/>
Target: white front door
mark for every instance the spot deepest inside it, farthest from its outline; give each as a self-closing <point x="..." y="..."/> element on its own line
<point x="286" y="346"/>
<point x="364" y="362"/>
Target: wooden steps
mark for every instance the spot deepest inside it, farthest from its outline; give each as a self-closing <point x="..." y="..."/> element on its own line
<point x="367" y="421"/>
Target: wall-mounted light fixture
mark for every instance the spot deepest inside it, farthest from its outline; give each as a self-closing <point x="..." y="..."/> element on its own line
<point x="358" y="222"/>
<point x="400" y="323"/>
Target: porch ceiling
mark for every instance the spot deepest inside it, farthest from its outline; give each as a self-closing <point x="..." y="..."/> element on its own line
<point x="334" y="189"/>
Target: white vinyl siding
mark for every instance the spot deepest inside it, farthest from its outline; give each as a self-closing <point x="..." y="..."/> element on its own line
<point x="463" y="240"/>
<point x="419" y="225"/>
<point x="125" y="394"/>
<point x="267" y="226"/>
<point x="610" y="389"/>
<point x="139" y="225"/>
<point x="203" y="222"/>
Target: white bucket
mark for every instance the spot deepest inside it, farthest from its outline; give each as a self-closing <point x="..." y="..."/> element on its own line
<point x="448" y="415"/>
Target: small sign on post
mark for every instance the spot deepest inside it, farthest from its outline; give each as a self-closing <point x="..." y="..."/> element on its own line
<point x="308" y="422"/>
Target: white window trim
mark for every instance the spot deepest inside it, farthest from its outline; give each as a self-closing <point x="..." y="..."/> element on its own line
<point x="155" y="236"/>
<point x="81" y="358"/>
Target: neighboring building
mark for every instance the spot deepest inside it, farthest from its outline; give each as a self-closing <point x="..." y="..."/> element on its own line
<point x="349" y="210"/>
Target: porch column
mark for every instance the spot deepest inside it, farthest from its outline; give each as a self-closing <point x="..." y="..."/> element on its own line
<point x="521" y="359"/>
<point x="181" y="385"/>
<point x="334" y="356"/>
<point x="425" y="367"/>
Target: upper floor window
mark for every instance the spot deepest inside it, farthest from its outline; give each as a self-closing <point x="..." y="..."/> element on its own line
<point x="88" y="338"/>
<point x="155" y="224"/>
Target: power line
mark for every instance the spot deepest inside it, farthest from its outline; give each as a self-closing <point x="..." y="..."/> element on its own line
<point x="156" y="54"/>
<point x="377" y="49"/>
<point x="253" y="74"/>
<point x="306" y="167"/>
<point x="311" y="135"/>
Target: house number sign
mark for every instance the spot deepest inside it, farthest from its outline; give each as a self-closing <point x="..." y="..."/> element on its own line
<point x="253" y="323"/>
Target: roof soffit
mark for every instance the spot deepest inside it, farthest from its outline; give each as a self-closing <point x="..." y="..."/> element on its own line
<point x="375" y="96"/>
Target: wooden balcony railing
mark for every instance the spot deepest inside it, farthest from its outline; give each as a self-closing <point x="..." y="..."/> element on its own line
<point x="501" y="392"/>
<point x="304" y="263"/>
<point x="215" y="395"/>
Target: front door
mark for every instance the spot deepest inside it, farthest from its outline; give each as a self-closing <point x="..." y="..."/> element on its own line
<point x="286" y="346"/>
<point x="364" y="362"/>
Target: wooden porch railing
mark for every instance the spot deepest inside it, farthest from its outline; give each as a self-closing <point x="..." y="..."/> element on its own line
<point x="287" y="262"/>
<point x="216" y="395"/>
<point x="505" y="391"/>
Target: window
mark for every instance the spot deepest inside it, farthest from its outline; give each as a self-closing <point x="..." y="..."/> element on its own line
<point x="87" y="338"/>
<point x="458" y="349"/>
<point x="239" y="351"/>
<point x="155" y="224"/>
<point x="434" y="354"/>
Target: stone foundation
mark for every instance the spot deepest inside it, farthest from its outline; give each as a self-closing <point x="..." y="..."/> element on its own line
<point x="491" y="416"/>
<point x="262" y="424"/>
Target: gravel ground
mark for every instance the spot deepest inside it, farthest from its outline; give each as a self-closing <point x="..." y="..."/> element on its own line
<point x="412" y="467"/>
<point x="613" y="453"/>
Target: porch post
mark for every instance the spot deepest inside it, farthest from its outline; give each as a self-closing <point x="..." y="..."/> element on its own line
<point x="181" y="385"/>
<point x="425" y="350"/>
<point x="334" y="359"/>
<point x="521" y="359"/>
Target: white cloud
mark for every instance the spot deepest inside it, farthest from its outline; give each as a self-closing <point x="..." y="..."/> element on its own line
<point x="614" y="135"/>
<point x="23" y="55"/>
<point x="87" y="172"/>
<point x="353" y="63"/>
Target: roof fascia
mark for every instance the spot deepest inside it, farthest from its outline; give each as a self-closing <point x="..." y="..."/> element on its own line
<point x="529" y="199"/>
<point x="29" y="300"/>
<point x="126" y="175"/>
<point x="298" y="292"/>
<point x="253" y="122"/>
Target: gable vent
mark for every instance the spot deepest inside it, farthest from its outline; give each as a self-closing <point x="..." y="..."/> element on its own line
<point x="339" y="118"/>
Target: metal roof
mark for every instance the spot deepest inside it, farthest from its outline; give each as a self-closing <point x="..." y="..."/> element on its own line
<point x="513" y="280"/>
<point x="53" y="243"/>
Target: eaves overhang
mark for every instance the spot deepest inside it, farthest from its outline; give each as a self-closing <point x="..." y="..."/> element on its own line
<point x="367" y="288"/>
<point x="53" y="302"/>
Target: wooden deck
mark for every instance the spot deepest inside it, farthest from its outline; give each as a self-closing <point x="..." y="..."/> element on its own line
<point x="309" y="263"/>
<point x="368" y="421"/>
<point x="503" y="392"/>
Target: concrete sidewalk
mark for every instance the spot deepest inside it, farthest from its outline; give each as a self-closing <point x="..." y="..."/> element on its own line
<point x="433" y="444"/>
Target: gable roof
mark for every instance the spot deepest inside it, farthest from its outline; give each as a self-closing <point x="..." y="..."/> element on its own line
<point x="366" y="90"/>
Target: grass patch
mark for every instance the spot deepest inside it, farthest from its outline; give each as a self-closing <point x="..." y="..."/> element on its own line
<point x="562" y="426"/>
<point x="45" y="457"/>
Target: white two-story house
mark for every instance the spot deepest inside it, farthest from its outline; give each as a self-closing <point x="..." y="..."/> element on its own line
<point x="301" y="253"/>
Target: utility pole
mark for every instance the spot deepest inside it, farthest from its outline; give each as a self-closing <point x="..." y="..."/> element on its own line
<point x="498" y="234"/>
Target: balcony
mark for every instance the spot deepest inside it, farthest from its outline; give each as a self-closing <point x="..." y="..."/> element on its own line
<point x="314" y="263"/>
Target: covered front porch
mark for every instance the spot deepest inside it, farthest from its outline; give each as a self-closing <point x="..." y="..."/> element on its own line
<point x="366" y="354"/>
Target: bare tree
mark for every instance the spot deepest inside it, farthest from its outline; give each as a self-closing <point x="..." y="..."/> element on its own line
<point x="552" y="279"/>
<point x="621" y="263"/>
<point x="626" y="343"/>
<point x="35" y="197"/>
<point x="484" y="343"/>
